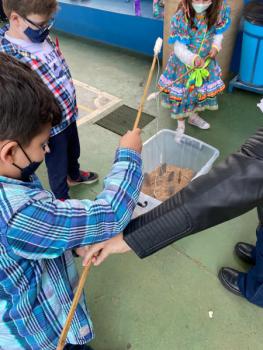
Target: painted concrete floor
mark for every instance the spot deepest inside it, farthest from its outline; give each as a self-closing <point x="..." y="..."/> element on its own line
<point x="163" y="301"/>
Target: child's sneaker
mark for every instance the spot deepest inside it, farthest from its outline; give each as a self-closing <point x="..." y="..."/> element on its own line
<point x="86" y="177"/>
<point x="179" y="132"/>
<point x="195" y="120"/>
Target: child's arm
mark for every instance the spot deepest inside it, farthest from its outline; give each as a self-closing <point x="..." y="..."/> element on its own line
<point x="216" y="45"/>
<point x="179" y="37"/>
<point x="48" y="227"/>
<point x="221" y="26"/>
<point x="224" y="18"/>
<point x="217" y="42"/>
<point x="184" y="54"/>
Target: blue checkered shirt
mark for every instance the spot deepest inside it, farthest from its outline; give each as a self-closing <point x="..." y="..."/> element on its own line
<point x="37" y="236"/>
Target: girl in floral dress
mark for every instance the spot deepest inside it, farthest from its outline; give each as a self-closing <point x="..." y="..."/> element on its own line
<point x="196" y="32"/>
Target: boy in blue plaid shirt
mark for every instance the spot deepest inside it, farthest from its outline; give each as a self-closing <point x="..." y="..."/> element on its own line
<point x="38" y="232"/>
<point x="27" y="39"/>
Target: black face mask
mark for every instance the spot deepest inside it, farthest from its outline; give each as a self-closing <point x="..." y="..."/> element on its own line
<point x="29" y="170"/>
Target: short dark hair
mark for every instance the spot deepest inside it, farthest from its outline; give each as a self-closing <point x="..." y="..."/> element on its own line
<point x="27" y="7"/>
<point x="26" y="104"/>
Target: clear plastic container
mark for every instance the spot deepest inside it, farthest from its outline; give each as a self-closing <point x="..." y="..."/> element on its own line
<point x="188" y="153"/>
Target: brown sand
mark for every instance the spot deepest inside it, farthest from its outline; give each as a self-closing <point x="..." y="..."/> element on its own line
<point x="165" y="181"/>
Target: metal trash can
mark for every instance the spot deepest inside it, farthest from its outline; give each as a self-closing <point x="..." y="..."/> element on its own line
<point x="251" y="67"/>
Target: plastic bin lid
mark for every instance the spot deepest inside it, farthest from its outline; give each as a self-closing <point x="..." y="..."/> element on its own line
<point x="254" y="12"/>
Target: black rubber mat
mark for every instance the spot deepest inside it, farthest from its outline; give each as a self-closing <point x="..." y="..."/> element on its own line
<point x="122" y="119"/>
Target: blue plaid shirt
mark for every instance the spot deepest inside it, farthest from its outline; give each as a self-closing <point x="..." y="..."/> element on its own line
<point x="66" y="101"/>
<point x="37" y="270"/>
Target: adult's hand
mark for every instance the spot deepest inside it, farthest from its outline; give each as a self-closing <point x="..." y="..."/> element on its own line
<point x="100" y="251"/>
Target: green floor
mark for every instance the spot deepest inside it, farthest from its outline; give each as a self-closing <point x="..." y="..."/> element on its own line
<point x="163" y="302"/>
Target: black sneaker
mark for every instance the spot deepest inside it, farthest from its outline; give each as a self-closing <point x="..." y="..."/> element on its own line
<point x="86" y="177"/>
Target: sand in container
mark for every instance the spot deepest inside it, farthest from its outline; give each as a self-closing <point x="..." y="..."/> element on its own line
<point x="166" y="180"/>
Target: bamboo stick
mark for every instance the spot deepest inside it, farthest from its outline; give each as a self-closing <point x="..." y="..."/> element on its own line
<point x="145" y="93"/>
<point x="82" y="280"/>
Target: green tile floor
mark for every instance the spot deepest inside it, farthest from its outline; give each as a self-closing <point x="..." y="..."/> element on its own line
<point x="162" y="302"/>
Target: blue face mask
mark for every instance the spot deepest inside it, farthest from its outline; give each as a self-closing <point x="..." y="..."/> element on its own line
<point x="37" y="35"/>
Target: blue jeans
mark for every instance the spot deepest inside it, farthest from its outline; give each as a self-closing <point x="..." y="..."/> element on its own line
<point x="251" y="283"/>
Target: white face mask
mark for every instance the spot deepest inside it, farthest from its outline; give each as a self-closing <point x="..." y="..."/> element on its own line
<point x="199" y="8"/>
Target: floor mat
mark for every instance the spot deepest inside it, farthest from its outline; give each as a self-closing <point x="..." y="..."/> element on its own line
<point x="122" y="119"/>
<point x="93" y="104"/>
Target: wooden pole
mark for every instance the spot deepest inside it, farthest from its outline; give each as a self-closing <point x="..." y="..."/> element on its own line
<point x="144" y="97"/>
<point x="83" y="278"/>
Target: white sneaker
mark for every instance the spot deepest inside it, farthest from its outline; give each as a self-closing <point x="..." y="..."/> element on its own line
<point x="195" y="120"/>
<point x="179" y="132"/>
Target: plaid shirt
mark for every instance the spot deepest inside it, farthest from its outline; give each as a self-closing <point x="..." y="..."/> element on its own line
<point x="37" y="271"/>
<point x="66" y="101"/>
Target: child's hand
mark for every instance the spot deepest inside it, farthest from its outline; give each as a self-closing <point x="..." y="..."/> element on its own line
<point x="213" y="53"/>
<point x="100" y="251"/>
<point x="82" y="251"/>
<point x="132" y="140"/>
<point x="199" y="62"/>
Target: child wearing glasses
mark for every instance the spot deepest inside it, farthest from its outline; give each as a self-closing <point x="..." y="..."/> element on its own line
<point x="27" y="39"/>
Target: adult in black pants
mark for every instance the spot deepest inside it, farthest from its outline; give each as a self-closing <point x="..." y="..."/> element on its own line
<point x="230" y="189"/>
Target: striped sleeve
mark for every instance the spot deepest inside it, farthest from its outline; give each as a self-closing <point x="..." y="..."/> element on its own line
<point x="46" y="229"/>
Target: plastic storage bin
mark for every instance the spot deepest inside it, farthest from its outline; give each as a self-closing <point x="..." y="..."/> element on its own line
<point x="251" y="68"/>
<point x="189" y="153"/>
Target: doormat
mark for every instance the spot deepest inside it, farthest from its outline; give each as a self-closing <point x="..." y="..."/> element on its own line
<point x="122" y="119"/>
<point x="93" y="104"/>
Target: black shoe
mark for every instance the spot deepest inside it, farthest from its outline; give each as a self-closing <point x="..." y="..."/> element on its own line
<point x="245" y="252"/>
<point x="229" y="278"/>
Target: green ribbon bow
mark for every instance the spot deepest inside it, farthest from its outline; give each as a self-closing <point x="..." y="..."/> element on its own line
<point x="198" y="75"/>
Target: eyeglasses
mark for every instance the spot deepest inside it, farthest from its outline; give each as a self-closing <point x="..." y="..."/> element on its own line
<point x="45" y="146"/>
<point x="43" y="27"/>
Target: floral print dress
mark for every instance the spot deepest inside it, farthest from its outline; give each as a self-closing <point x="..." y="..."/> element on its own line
<point x="179" y="97"/>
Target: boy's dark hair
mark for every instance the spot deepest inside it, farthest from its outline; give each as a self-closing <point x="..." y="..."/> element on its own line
<point x="26" y="104"/>
<point x="27" y="7"/>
